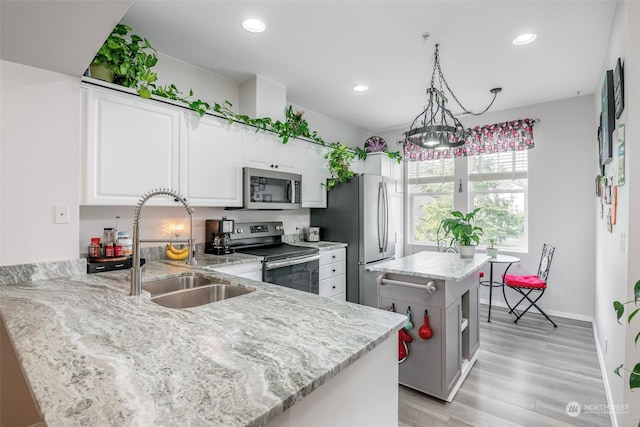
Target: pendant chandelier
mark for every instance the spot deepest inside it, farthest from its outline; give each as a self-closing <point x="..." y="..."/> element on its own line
<point x="436" y="127"/>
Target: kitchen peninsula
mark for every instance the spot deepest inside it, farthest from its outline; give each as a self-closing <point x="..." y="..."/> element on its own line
<point x="94" y="355"/>
<point x="444" y="287"/>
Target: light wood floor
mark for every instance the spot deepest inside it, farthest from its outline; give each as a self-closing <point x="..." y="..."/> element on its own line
<point x="525" y="375"/>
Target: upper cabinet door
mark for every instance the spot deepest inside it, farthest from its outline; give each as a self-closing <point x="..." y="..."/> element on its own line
<point x="264" y="150"/>
<point x="380" y="164"/>
<point x="210" y="161"/>
<point x="131" y="148"/>
<point x="314" y="169"/>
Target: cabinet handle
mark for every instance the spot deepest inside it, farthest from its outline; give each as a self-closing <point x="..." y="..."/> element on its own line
<point x="271" y="165"/>
<point x="333" y="270"/>
<point x="333" y="256"/>
<point x="276" y="166"/>
<point x="333" y="287"/>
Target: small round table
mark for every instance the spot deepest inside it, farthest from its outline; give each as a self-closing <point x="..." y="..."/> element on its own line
<point x="499" y="259"/>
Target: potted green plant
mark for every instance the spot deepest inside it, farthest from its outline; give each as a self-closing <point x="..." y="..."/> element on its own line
<point x="461" y="229"/>
<point x="126" y="61"/>
<point x="491" y="250"/>
<point x="634" y="374"/>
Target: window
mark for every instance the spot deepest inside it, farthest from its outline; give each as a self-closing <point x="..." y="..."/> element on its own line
<point x="497" y="183"/>
<point x="430" y="197"/>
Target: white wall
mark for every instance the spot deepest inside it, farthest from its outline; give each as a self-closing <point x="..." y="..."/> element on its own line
<point x="615" y="275"/>
<point x="39" y="164"/>
<point x="331" y="130"/>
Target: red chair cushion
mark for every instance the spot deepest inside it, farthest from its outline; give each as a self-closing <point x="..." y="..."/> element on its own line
<point x="524" y="281"/>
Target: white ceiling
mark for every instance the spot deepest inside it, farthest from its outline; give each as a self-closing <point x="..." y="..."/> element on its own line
<point x="320" y="49"/>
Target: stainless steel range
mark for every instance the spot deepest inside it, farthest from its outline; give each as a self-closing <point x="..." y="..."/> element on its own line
<point x="286" y="265"/>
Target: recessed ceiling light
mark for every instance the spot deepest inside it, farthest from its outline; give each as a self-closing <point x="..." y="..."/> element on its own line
<point x="253" y="25"/>
<point x="361" y="88"/>
<point x="523" y="39"/>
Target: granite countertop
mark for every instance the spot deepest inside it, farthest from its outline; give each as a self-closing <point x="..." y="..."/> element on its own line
<point x="94" y="355"/>
<point x="209" y="261"/>
<point x="434" y="265"/>
<point x="321" y="246"/>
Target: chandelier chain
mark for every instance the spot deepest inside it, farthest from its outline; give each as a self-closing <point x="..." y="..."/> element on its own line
<point x="442" y="80"/>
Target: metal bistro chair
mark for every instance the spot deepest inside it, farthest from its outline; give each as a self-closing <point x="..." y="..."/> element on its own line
<point x="530" y="288"/>
<point x="443" y="242"/>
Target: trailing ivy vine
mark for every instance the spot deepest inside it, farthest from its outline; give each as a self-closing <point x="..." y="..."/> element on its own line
<point x="294" y="126"/>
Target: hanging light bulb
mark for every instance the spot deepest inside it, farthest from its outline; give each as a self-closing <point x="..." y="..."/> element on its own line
<point x="436" y="127"/>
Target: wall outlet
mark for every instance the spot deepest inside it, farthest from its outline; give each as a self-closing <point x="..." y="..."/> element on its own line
<point x="61" y="214"/>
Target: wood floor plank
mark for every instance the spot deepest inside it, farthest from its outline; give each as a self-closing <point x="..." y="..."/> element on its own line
<point x="525" y="375"/>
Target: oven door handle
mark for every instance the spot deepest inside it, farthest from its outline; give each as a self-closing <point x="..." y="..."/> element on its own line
<point x="291" y="261"/>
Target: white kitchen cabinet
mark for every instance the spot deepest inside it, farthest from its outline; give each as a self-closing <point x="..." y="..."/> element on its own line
<point x="252" y="270"/>
<point x="333" y="278"/>
<point x="265" y="150"/>
<point x="314" y="170"/>
<point x="210" y="161"/>
<point x="131" y="148"/>
<point x="380" y="164"/>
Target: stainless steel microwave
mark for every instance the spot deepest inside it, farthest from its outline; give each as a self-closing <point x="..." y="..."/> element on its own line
<point x="267" y="189"/>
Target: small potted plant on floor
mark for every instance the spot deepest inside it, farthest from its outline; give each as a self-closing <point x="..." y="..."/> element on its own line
<point x="461" y="229"/>
<point x="491" y="250"/>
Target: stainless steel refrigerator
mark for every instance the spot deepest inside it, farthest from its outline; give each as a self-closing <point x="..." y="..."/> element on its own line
<point x="358" y="213"/>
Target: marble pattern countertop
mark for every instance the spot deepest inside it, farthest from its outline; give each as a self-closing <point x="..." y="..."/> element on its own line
<point x="209" y="261"/>
<point x="321" y="246"/>
<point x="94" y="355"/>
<point x="434" y="265"/>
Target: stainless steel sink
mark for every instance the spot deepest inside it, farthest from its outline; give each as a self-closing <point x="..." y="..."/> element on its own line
<point x="191" y="290"/>
<point x="200" y="296"/>
<point x="172" y="284"/>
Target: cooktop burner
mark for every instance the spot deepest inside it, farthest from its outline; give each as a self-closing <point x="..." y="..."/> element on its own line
<point x="278" y="251"/>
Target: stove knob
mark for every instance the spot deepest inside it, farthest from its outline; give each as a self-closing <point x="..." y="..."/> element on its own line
<point x="279" y="228"/>
<point x="238" y="230"/>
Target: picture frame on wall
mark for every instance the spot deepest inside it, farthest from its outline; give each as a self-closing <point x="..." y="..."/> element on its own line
<point x="618" y="88"/>
<point x="607" y="119"/>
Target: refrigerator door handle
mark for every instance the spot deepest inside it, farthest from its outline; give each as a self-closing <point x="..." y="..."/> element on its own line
<point x="380" y="221"/>
<point x="386" y="216"/>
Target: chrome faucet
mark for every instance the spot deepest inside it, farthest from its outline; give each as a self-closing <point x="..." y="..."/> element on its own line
<point x="136" y="272"/>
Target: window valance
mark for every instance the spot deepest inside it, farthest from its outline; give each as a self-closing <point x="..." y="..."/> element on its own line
<point x="514" y="135"/>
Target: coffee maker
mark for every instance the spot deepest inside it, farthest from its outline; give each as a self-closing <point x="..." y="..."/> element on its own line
<point x="217" y="239"/>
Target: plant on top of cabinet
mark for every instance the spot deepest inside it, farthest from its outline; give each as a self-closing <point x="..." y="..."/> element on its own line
<point x="129" y="58"/>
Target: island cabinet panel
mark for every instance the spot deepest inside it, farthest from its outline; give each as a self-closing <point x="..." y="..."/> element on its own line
<point x="265" y="150"/>
<point x="314" y="169"/>
<point x="453" y="348"/>
<point x="438" y="365"/>
<point x="131" y="147"/>
<point x="412" y="372"/>
<point x="210" y="161"/>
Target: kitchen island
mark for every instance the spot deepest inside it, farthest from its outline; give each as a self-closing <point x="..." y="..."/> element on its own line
<point x="93" y="355"/>
<point x="444" y="287"/>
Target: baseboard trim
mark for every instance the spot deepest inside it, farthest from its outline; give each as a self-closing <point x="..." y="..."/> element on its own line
<point x="605" y="377"/>
<point x="564" y="315"/>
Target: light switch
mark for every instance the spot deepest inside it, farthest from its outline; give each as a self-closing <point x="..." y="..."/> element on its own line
<point x="62" y="214"/>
